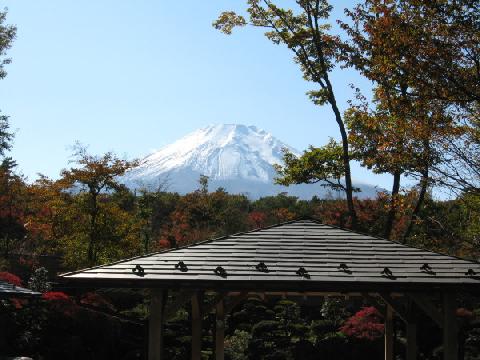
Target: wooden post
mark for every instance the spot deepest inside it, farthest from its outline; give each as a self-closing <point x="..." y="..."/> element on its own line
<point x="220" y="331"/>
<point x="197" y="326"/>
<point x="155" y="325"/>
<point x="450" y="334"/>
<point x="389" y="333"/>
<point x="411" y="340"/>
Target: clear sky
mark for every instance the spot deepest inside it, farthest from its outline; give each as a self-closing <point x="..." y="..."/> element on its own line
<point x="133" y="76"/>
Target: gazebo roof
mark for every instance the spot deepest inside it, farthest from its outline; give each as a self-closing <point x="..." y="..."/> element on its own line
<point x="302" y="255"/>
<point x="8" y="290"/>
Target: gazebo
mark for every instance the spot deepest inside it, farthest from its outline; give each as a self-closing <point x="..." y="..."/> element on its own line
<point x="299" y="258"/>
<point x="8" y="291"/>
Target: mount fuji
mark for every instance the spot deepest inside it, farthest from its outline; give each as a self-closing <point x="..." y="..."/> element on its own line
<point x="238" y="158"/>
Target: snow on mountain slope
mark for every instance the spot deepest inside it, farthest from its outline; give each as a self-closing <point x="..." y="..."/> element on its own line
<point x="221" y="152"/>
<point x="238" y="158"/>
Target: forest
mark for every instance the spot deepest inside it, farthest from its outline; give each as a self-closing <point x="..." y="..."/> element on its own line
<point x="421" y="122"/>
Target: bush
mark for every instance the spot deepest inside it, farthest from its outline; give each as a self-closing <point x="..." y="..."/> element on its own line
<point x="10" y="278"/>
<point x="365" y="324"/>
<point x="236" y="346"/>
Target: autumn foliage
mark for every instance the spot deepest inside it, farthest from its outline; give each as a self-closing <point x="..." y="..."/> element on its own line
<point x="10" y="278"/>
<point x="365" y="324"/>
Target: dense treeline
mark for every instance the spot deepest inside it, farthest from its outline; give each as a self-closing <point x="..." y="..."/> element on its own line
<point x="87" y="217"/>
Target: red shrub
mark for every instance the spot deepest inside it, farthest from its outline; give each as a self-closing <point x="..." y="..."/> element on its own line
<point x="60" y="303"/>
<point x="365" y="324"/>
<point x="257" y="219"/>
<point x="55" y="296"/>
<point x="10" y="278"/>
<point x="94" y="299"/>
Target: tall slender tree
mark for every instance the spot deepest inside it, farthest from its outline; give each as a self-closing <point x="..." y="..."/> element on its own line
<point x="315" y="48"/>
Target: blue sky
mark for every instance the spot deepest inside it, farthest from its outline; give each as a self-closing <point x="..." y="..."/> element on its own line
<point x="133" y="76"/>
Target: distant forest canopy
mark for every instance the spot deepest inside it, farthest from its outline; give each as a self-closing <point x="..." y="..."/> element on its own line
<point x="422" y="122"/>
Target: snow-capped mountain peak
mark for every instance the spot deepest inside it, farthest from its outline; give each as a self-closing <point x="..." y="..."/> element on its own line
<point x="222" y="152"/>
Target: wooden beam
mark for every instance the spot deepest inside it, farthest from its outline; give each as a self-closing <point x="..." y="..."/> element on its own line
<point x="395" y="306"/>
<point x="155" y="324"/>
<point x="389" y="333"/>
<point x="424" y="303"/>
<point x="220" y="331"/>
<point x="197" y="300"/>
<point x="450" y="334"/>
<point x="411" y="341"/>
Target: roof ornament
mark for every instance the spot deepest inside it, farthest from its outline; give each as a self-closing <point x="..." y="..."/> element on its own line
<point x="181" y="266"/>
<point x="471" y="272"/>
<point x="303" y="272"/>
<point x="387" y="273"/>
<point x="427" y="268"/>
<point x="262" y="267"/>
<point x="344" y="267"/>
<point x="220" y="271"/>
<point x="138" y="270"/>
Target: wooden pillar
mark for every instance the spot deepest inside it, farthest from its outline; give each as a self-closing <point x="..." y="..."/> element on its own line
<point x="389" y="333"/>
<point x="220" y="331"/>
<point x="197" y="300"/>
<point x="155" y="325"/>
<point x="411" y="340"/>
<point x="450" y="333"/>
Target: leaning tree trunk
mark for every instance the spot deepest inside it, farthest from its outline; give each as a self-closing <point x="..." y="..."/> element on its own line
<point x="393" y="205"/>
<point x="345" y="156"/>
<point x="418" y="206"/>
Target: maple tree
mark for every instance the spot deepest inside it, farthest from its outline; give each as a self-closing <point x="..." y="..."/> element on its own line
<point x="93" y="179"/>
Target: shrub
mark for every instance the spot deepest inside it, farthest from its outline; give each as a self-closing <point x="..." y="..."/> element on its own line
<point x="55" y="296"/>
<point x="236" y="346"/>
<point x="10" y="278"/>
<point x="365" y="324"/>
<point x="39" y="280"/>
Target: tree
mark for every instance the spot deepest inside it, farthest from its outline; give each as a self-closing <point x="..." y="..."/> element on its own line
<point x="399" y="134"/>
<point x="12" y="207"/>
<point x="315" y="50"/>
<point x="322" y="165"/>
<point x="96" y="175"/>
<point x="6" y="136"/>
<point x="459" y="170"/>
<point x="7" y="35"/>
<point x="154" y="210"/>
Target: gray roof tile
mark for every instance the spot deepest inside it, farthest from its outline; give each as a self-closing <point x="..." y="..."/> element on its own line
<point x="317" y="247"/>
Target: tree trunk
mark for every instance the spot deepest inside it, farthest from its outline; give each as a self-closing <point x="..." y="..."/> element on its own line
<point x="346" y="154"/>
<point x="393" y="205"/>
<point x="93" y="230"/>
<point x="418" y="206"/>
